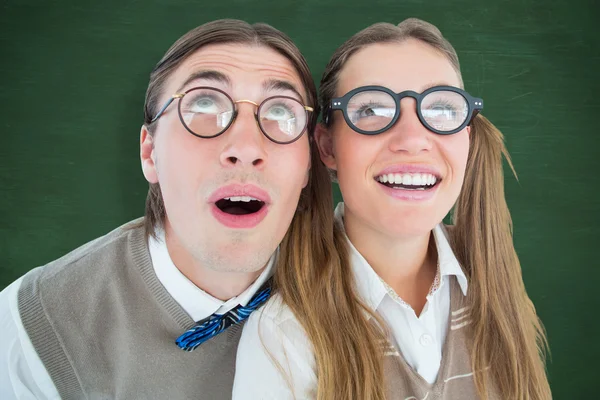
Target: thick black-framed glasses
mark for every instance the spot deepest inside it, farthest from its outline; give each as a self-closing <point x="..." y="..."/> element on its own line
<point x="207" y="112"/>
<point x="371" y="110"/>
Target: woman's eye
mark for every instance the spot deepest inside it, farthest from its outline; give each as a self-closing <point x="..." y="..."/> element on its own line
<point x="442" y="106"/>
<point x="370" y="111"/>
<point x="446" y="110"/>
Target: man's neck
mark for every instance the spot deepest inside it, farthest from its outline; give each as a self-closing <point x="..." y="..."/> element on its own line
<point x="407" y="264"/>
<point x="222" y="285"/>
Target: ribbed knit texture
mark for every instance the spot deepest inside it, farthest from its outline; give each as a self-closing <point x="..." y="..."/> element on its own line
<point x="44" y="339"/>
<point x="455" y="377"/>
<point x="105" y="327"/>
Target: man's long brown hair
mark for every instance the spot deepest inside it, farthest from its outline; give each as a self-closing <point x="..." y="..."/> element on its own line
<point x="507" y="341"/>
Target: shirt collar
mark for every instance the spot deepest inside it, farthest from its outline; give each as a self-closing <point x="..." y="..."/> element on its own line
<point x="447" y="261"/>
<point x="369" y="284"/>
<point x="195" y="301"/>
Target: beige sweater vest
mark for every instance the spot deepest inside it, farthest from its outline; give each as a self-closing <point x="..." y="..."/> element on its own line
<point x="455" y="377"/>
<point x="105" y="327"/>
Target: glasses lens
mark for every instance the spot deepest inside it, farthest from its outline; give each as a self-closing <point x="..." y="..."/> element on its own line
<point x="283" y="119"/>
<point x="444" y="110"/>
<point x="206" y="112"/>
<point x="371" y="110"/>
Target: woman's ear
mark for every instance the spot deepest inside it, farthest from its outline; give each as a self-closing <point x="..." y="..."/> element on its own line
<point x="324" y="140"/>
<point x="147" y="155"/>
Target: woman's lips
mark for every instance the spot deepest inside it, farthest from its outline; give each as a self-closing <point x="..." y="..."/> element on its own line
<point x="406" y="194"/>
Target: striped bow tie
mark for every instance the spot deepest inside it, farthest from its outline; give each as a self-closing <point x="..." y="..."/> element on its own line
<point x="217" y="323"/>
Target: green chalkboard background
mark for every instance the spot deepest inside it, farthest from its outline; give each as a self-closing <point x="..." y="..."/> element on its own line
<point x="72" y="81"/>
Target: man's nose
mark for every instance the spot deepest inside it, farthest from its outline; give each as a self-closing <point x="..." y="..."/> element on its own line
<point x="245" y="143"/>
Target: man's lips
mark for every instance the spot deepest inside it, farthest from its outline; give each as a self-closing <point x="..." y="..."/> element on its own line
<point x="239" y="190"/>
<point x="240" y="206"/>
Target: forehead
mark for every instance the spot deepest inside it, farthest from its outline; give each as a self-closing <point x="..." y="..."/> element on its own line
<point x="408" y="65"/>
<point x="246" y="66"/>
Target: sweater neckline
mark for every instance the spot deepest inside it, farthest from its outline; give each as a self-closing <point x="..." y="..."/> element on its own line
<point x="141" y="258"/>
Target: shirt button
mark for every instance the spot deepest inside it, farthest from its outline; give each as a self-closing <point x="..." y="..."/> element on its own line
<point x="425" y="340"/>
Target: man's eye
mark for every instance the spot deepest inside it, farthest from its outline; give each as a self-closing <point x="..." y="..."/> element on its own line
<point x="279" y="113"/>
<point x="205" y="105"/>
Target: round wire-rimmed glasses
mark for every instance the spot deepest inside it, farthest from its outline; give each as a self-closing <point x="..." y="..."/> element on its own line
<point x="207" y="112"/>
<point x="371" y="110"/>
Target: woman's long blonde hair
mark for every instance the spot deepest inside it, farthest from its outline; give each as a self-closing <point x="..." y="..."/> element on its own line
<point x="315" y="280"/>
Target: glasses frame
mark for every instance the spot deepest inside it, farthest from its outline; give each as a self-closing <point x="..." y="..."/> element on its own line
<point x="341" y="103"/>
<point x="258" y="106"/>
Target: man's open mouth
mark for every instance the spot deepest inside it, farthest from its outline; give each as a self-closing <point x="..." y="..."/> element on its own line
<point x="240" y="205"/>
<point x="417" y="181"/>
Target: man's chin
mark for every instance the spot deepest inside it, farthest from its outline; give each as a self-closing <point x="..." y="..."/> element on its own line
<point x="242" y="258"/>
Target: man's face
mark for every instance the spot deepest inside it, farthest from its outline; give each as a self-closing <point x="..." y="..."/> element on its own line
<point x="206" y="183"/>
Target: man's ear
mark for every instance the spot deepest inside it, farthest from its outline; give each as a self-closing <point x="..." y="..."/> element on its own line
<point x="147" y="155"/>
<point x="324" y="140"/>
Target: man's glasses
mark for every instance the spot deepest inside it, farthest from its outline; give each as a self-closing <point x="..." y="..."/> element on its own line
<point x="207" y="112"/>
<point x="371" y="110"/>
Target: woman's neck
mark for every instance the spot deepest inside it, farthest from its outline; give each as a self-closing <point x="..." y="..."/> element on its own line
<point x="407" y="264"/>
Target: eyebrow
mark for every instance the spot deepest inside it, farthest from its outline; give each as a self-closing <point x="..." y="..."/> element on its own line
<point x="219" y="77"/>
<point x="207" y="75"/>
<point x="276" y="84"/>
<point x="422" y="89"/>
<point x="433" y="84"/>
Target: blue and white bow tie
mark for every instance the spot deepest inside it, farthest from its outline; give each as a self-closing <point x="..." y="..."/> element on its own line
<point x="217" y="323"/>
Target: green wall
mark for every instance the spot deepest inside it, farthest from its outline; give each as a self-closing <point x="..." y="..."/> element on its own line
<point x="72" y="83"/>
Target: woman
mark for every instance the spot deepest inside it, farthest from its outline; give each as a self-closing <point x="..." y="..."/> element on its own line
<point x="406" y="308"/>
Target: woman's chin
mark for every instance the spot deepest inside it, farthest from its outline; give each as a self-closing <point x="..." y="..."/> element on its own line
<point x="413" y="225"/>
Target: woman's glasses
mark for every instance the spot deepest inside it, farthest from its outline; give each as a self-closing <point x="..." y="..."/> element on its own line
<point x="371" y="110"/>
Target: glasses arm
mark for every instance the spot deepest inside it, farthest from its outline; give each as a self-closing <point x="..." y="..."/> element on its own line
<point x="167" y="104"/>
<point x="477" y="107"/>
<point x="334" y="104"/>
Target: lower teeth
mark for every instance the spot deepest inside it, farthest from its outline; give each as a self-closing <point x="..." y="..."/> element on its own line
<point x="406" y="188"/>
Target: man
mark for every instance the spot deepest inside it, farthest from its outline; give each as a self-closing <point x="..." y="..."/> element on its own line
<point x="225" y="147"/>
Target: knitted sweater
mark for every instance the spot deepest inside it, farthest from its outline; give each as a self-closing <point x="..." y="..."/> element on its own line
<point x="105" y="327"/>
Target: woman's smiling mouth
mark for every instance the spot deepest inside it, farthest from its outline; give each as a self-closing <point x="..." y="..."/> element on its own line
<point x="408" y="181"/>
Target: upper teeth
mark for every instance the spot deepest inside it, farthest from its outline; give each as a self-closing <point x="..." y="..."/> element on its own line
<point x="408" y="179"/>
<point x="241" y="198"/>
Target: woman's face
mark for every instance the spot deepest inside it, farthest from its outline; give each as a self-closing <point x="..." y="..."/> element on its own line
<point x="406" y="149"/>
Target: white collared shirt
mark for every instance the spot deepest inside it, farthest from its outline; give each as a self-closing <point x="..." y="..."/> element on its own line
<point x="274" y="334"/>
<point x="22" y="373"/>
<point x="195" y="301"/>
